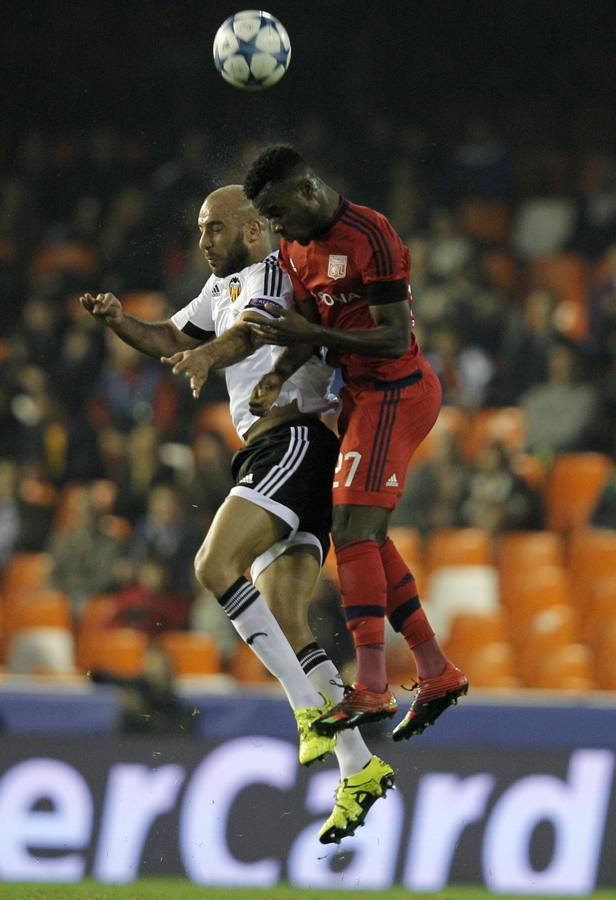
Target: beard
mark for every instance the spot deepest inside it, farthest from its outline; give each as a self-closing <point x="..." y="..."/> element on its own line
<point x="237" y="258"/>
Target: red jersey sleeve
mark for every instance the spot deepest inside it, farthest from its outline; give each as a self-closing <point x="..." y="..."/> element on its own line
<point x="300" y="291"/>
<point x="382" y="256"/>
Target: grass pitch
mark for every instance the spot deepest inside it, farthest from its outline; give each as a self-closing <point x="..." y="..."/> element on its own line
<point x="172" y="888"/>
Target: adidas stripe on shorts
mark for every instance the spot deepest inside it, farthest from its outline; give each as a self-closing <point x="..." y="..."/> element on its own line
<point x="288" y="471"/>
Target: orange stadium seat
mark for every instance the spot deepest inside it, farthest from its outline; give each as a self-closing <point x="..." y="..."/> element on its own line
<point x="246" y="667"/>
<point x="592" y="555"/>
<point x="38" y="609"/>
<point x="521" y="553"/>
<point x="530" y="592"/>
<point x="458" y="547"/>
<point x="96" y="616"/>
<point x="97" y="613"/>
<point x="505" y="426"/>
<point x="26" y="571"/>
<point x="566" y="274"/>
<point x="573" y="488"/>
<point x="216" y="417"/>
<point x="191" y="653"/>
<point x="492" y="666"/>
<point x="605" y="659"/>
<point x="546" y="632"/>
<point x="409" y="544"/>
<point x="120" y="651"/>
<point x="567" y="668"/>
<point x="601" y="613"/>
<point x="470" y="632"/>
<point x="524" y="550"/>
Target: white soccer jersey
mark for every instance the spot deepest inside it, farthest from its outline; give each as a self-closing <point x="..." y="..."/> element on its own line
<point x="217" y="308"/>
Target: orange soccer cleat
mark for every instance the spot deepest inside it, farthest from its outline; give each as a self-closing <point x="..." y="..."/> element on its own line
<point x="432" y="696"/>
<point x="357" y="707"/>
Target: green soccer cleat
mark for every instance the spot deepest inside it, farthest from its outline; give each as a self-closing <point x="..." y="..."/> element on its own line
<point x="313" y="746"/>
<point x="354" y="798"/>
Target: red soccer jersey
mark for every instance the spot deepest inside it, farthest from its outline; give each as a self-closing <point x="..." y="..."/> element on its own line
<point x="358" y="248"/>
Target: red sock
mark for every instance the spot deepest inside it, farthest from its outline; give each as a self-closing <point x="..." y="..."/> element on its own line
<point x="404" y="610"/>
<point x="363" y="588"/>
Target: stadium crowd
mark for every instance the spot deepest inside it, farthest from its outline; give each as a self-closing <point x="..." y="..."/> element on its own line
<point x="107" y="463"/>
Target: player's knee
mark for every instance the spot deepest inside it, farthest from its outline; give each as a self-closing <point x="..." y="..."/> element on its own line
<point x="206" y="569"/>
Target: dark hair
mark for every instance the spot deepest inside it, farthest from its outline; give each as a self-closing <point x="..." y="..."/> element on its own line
<point x="274" y="164"/>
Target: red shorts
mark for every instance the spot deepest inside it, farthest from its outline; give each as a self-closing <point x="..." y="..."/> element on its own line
<point x="382" y="424"/>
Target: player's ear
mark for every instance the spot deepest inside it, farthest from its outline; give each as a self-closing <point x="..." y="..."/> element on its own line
<point x="253" y="229"/>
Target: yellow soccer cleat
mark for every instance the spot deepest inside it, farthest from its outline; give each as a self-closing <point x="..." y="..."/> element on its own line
<point x="313" y="746"/>
<point x="354" y="797"/>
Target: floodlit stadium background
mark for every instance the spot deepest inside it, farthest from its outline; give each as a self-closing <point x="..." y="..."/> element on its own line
<point x="488" y="136"/>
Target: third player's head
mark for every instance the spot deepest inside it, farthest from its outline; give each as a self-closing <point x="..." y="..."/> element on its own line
<point x="233" y="234"/>
<point x="287" y="192"/>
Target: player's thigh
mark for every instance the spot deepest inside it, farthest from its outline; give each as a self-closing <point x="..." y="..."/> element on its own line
<point x="383" y="431"/>
<point x="240" y="532"/>
<point x="359" y="523"/>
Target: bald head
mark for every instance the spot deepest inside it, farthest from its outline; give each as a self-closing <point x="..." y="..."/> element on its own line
<point x="231" y="201"/>
<point x="233" y="233"/>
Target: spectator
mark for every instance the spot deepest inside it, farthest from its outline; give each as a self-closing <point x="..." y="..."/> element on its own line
<point x="166" y="534"/>
<point x="140" y="469"/>
<point x="523" y="354"/>
<point x="464" y="371"/>
<point x="9" y="511"/>
<point x="497" y="499"/>
<point x="83" y="554"/>
<point x="211" y="480"/>
<point x="562" y="412"/>
<point x="148" y="604"/>
<point x="435" y="490"/>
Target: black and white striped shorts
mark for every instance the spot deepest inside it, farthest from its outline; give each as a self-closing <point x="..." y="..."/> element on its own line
<point x="289" y="471"/>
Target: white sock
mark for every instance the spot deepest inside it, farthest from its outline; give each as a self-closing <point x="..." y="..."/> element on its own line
<point x="351" y="750"/>
<point x="254" y="622"/>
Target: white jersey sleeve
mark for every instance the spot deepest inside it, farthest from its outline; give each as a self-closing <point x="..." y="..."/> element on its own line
<point x="196" y="318"/>
<point x="267" y="283"/>
<point x="311" y="386"/>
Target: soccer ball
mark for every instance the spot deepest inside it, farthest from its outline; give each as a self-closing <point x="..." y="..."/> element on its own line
<point x="252" y="50"/>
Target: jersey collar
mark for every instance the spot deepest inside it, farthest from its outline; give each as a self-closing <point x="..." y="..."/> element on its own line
<point x="342" y="208"/>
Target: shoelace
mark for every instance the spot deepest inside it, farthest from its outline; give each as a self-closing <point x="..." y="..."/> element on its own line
<point x="347" y="688"/>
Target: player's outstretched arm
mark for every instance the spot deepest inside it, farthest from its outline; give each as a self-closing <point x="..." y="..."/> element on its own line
<point x="229" y="348"/>
<point x="153" y="338"/>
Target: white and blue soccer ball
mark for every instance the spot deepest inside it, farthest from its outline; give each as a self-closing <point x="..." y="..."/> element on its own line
<point x="252" y="50"/>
